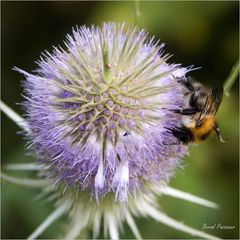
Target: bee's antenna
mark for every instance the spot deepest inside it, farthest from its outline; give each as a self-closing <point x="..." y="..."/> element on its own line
<point x="217" y="130"/>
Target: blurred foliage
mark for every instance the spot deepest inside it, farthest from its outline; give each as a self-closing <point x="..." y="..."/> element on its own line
<point x="202" y="33"/>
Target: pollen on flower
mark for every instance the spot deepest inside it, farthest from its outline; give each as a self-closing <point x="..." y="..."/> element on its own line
<point x="98" y="111"/>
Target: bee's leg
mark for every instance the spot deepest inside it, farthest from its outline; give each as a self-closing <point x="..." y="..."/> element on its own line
<point x="182" y="134"/>
<point x="186" y="111"/>
<point x="172" y="143"/>
<point x="187" y="83"/>
<point x="217" y="130"/>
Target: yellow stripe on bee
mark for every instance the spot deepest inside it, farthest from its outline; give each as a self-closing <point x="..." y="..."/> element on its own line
<point x="200" y="133"/>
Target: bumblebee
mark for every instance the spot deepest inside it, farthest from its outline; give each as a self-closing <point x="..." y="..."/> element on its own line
<point x="198" y="113"/>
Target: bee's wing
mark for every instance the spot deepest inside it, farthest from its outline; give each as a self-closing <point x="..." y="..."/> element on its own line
<point x="212" y="102"/>
<point x="215" y="99"/>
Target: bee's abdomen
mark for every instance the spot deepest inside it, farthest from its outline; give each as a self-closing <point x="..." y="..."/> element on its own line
<point x="204" y="130"/>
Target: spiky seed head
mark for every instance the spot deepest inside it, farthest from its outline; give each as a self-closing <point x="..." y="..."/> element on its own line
<point x="98" y="111"/>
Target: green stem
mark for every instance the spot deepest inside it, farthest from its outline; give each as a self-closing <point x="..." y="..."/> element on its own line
<point x="137" y="12"/>
<point x="231" y="79"/>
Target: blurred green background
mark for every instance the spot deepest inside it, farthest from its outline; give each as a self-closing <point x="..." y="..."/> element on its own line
<point x="202" y="33"/>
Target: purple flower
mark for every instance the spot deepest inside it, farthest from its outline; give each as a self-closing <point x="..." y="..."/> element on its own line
<point x="97" y="115"/>
<point x="98" y="111"/>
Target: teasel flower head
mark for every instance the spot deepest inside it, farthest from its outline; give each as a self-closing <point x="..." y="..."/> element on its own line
<point x="97" y="114"/>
